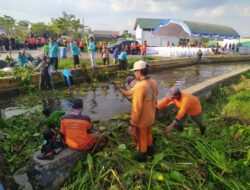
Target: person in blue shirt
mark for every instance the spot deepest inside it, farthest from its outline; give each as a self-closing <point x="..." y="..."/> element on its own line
<point x="115" y="55"/>
<point x="91" y="49"/>
<point x="22" y="58"/>
<point x="123" y="59"/>
<point x="75" y="53"/>
<point x="68" y="78"/>
<point x="53" y="53"/>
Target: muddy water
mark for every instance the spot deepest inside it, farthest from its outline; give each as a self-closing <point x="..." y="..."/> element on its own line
<point x="105" y="102"/>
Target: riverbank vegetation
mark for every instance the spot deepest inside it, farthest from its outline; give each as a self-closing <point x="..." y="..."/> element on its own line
<point x="185" y="160"/>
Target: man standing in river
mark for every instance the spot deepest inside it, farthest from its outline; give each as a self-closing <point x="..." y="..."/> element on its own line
<point x="144" y="95"/>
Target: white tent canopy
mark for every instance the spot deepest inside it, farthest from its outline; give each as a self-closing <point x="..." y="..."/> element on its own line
<point x="189" y="29"/>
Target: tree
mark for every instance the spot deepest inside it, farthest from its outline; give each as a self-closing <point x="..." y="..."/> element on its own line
<point x="23" y="23"/>
<point x="22" y="29"/>
<point x="67" y="24"/>
<point x="126" y="35"/>
<point x="39" y="28"/>
<point x="8" y="24"/>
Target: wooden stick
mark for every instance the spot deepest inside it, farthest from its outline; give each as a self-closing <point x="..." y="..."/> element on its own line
<point x="119" y="89"/>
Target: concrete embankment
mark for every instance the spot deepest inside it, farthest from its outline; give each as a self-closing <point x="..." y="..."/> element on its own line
<point x="204" y="89"/>
<point x="10" y="86"/>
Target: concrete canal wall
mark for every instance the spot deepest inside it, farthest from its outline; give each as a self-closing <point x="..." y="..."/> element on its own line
<point x="10" y="86"/>
<point x="204" y="89"/>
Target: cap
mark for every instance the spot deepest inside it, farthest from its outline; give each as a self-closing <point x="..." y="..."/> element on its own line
<point x="138" y="65"/>
<point x="173" y="92"/>
<point x="77" y="103"/>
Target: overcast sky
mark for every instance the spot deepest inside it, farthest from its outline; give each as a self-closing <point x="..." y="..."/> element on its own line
<point x="121" y="14"/>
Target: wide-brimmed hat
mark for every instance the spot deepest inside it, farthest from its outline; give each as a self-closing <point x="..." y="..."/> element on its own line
<point x="138" y="65"/>
<point x="173" y="92"/>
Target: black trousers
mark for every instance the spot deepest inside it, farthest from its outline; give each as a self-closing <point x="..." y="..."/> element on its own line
<point x="54" y="61"/>
<point x="122" y="64"/>
<point x="45" y="81"/>
<point x="76" y="60"/>
<point x="105" y="60"/>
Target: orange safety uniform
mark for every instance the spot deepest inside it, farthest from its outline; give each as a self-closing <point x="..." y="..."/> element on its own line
<point x="43" y="40"/>
<point x="144" y="47"/>
<point x="81" y="44"/>
<point x="188" y="104"/>
<point x="144" y="95"/>
<point x="75" y="130"/>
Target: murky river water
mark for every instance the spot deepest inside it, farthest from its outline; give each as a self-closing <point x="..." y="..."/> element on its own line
<point x="105" y="102"/>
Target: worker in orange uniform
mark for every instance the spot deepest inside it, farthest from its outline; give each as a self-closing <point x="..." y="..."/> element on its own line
<point x="81" y="45"/>
<point x="144" y="96"/>
<point x="75" y="128"/>
<point x="187" y="104"/>
<point x="144" y="50"/>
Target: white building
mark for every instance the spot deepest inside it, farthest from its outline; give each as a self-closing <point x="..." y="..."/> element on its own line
<point x="143" y="31"/>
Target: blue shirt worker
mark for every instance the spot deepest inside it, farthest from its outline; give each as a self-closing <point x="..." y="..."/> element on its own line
<point x="75" y="53"/>
<point x="22" y="58"/>
<point x="53" y="53"/>
<point x="68" y="77"/>
<point x="123" y="60"/>
<point x="91" y="49"/>
<point x="115" y="55"/>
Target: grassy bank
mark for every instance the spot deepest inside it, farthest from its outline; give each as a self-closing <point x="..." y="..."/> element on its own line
<point x="219" y="160"/>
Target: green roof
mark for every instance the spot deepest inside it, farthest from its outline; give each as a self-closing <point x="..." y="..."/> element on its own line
<point x="197" y="27"/>
<point x="147" y="23"/>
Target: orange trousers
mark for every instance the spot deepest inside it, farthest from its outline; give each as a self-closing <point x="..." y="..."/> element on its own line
<point x="143" y="138"/>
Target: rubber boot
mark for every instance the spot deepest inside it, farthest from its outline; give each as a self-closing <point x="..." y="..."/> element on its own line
<point x="180" y="128"/>
<point x="151" y="150"/>
<point x="202" y="129"/>
<point x="141" y="157"/>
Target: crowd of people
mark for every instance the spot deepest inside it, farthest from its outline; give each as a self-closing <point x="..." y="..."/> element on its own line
<point x="51" y="55"/>
<point x="77" y="132"/>
<point x="226" y="49"/>
<point x="32" y="42"/>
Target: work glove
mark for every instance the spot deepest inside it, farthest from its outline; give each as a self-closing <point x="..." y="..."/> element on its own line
<point x="171" y="126"/>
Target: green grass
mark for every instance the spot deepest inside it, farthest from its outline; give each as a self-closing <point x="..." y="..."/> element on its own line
<point x="68" y="62"/>
<point x="238" y="107"/>
<point x="218" y="160"/>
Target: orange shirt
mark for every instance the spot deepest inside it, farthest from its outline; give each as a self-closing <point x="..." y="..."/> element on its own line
<point x="144" y="47"/>
<point x="144" y="94"/>
<point x="43" y="41"/>
<point x="74" y="128"/>
<point x="187" y="104"/>
<point x="81" y="44"/>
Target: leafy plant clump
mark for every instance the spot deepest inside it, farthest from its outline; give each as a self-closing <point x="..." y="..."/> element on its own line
<point x="24" y="74"/>
<point x="185" y="160"/>
<point x="4" y="74"/>
<point x="238" y="107"/>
